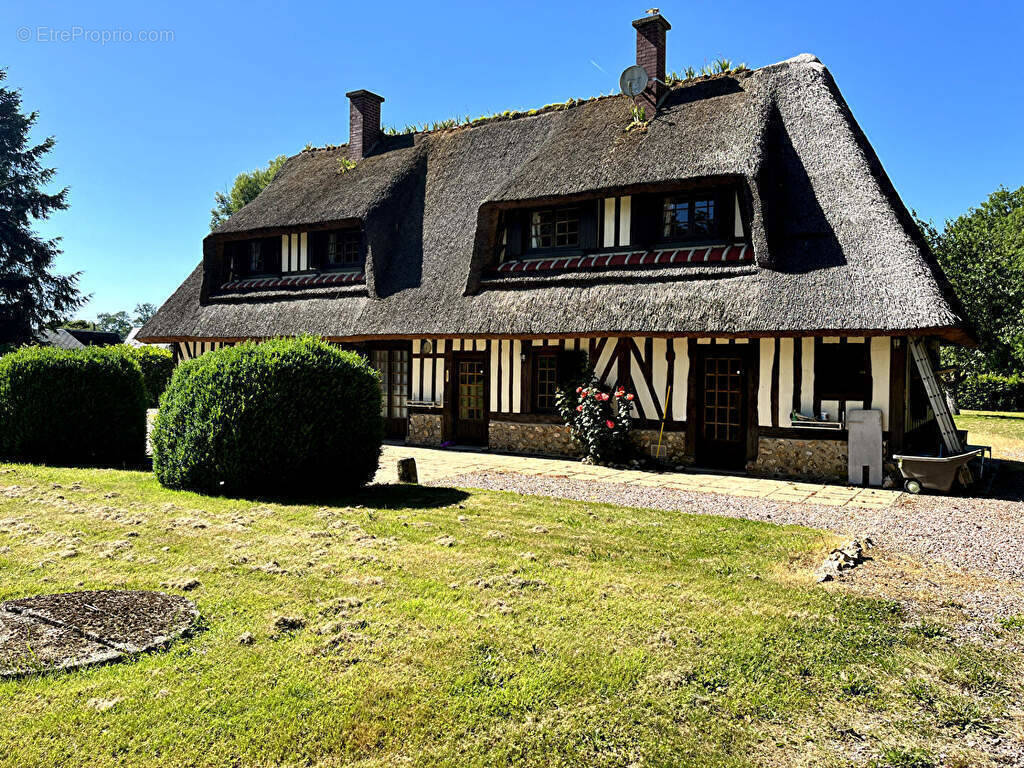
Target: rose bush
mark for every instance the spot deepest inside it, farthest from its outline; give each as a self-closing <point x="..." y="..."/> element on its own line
<point x="599" y="420"/>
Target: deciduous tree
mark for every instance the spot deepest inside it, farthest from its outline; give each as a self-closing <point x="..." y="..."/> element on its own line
<point x="245" y="189"/>
<point x="114" y="322"/>
<point x="143" y="311"/>
<point x="982" y="254"/>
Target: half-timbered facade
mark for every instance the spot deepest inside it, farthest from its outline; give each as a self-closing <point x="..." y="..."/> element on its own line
<point x="740" y="261"/>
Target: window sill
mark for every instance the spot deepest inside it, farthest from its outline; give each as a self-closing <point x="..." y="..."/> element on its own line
<point x="294" y="281"/>
<point x="629" y="259"/>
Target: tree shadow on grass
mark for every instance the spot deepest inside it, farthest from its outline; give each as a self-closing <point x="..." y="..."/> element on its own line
<point x="140" y="465"/>
<point x="372" y="496"/>
<point x="408" y="496"/>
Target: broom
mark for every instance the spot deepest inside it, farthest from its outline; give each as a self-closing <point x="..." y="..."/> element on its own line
<point x="661" y="431"/>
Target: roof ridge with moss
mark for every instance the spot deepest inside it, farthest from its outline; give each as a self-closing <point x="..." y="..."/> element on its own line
<point x="453" y="124"/>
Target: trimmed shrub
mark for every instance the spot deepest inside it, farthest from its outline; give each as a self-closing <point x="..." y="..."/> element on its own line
<point x="991" y="392"/>
<point x="72" y="406"/>
<point x="157" y="366"/>
<point x="292" y="417"/>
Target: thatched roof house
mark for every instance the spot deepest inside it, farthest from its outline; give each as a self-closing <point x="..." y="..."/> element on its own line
<point x="746" y="205"/>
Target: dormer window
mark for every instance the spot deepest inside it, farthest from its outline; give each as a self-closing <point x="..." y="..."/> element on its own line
<point x="250" y="258"/>
<point x="552" y="228"/>
<point x="662" y="228"/>
<point x="256" y="260"/>
<point x="340" y="249"/>
<point x="690" y="217"/>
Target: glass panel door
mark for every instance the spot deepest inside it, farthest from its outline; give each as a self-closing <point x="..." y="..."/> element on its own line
<point x="394" y="365"/>
<point x="722" y="426"/>
<point x="471" y="416"/>
<point x="723" y="393"/>
<point x="471" y="390"/>
<point x="398" y="383"/>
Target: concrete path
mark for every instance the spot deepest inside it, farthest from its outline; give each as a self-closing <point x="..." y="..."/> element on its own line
<point x="435" y="465"/>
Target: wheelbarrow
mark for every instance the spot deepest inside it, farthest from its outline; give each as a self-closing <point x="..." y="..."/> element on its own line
<point x="937" y="473"/>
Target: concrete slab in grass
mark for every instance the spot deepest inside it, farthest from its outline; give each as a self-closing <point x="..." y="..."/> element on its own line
<point x="48" y="633"/>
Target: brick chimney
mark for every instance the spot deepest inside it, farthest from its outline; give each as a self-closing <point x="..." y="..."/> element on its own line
<point x="363" y="123"/>
<point x="650" y="53"/>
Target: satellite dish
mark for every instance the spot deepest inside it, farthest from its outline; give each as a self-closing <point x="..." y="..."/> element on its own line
<point x="633" y="80"/>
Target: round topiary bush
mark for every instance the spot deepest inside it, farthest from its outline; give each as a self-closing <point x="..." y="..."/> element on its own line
<point x="157" y="366"/>
<point x="292" y="417"/>
<point x="85" y="406"/>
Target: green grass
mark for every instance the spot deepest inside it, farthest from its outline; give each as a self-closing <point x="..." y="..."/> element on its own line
<point x="1003" y="430"/>
<point x="551" y="633"/>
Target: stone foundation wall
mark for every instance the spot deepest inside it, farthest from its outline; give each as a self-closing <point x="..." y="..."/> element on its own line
<point x="805" y="459"/>
<point x="673" y="442"/>
<point x="545" y="439"/>
<point x="554" y="440"/>
<point x="425" y="429"/>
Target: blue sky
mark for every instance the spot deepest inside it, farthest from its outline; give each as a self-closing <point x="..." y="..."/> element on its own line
<point x="148" y="131"/>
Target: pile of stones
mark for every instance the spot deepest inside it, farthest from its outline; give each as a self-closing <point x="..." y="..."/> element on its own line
<point x="849" y="555"/>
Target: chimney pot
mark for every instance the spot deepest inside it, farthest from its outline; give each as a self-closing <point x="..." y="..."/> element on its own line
<point x="650" y="54"/>
<point x="363" y="123"/>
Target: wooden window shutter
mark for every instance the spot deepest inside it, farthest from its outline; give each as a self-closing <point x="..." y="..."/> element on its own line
<point x="514" y="221"/>
<point x="589" y="219"/>
<point x="726" y="215"/>
<point x="271" y="254"/>
<point x="645" y="220"/>
<point x="315" y="251"/>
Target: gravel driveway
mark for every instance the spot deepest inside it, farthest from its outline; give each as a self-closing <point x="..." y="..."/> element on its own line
<point x="985" y="535"/>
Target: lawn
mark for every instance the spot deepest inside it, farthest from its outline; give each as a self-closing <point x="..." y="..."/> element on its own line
<point x="445" y="627"/>
<point x="1003" y="430"/>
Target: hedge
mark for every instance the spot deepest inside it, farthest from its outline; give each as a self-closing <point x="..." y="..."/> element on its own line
<point x="72" y="406"/>
<point x="157" y="366"/>
<point x="991" y="392"/>
<point x="291" y="417"/>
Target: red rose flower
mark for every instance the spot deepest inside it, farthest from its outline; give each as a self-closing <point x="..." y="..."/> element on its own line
<point x="629" y="397"/>
<point x="610" y="424"/>
<point x="579" y="407"/>
<point x="578" y="390"/>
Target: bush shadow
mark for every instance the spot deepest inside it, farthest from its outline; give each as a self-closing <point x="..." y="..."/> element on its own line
<point x="371" y="496"/>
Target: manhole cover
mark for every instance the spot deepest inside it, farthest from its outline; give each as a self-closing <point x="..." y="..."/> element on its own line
<point x="76" y="629"/>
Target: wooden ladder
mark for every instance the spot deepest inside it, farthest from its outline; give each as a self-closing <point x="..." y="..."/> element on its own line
<point x="940" y="407"/>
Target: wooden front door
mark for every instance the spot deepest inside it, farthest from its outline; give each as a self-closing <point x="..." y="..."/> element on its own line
<point x="471" y="411"/>
<point x="393" y="364"/>
<point x="722" y="410"/>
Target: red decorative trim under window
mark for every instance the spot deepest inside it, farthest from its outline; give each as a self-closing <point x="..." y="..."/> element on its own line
<point x="661" y="258"/>
<point x="295" y="281"/>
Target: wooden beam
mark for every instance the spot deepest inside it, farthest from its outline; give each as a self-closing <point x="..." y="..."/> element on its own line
<point x="898" y="395"/>
<point x="798" y="374"/>
<point x="955" y="335"/>
<point x="775" y="383"/>
<point x="691" y="400"/>
<point x="753" y="363"/>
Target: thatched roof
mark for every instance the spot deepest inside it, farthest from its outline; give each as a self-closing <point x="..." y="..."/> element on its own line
<point x="835" y="250"/>
<point x="77" y="338"/>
